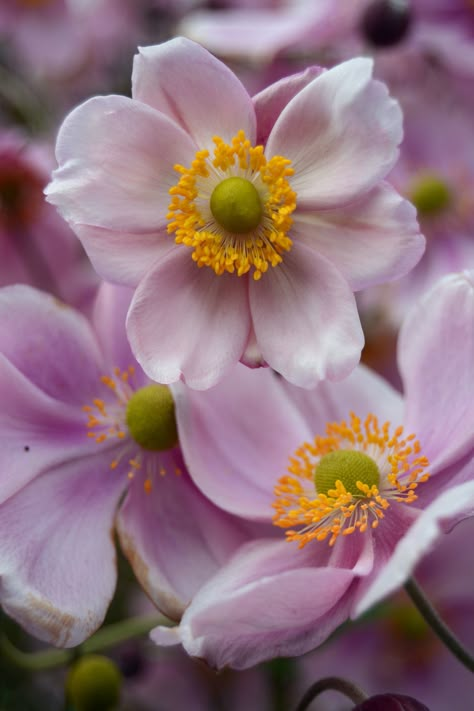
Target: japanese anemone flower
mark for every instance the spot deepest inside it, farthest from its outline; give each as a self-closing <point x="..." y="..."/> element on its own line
<point x="244" y="225"/>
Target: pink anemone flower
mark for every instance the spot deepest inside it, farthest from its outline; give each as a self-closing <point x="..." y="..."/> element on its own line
<point x="359" y="482"/>
<point x="80" y="437"/>
<point x="244" y="225"/>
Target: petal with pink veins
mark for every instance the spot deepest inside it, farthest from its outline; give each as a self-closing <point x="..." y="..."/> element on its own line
<point x="116" y="159"/>
<point x="372" y="241"/>
<point x="237" y="452"/>
<point x="436" y="359"/>
<point x="341" y="133"/>
<point x="57" y="350"/>
<point x="174" y="538"/>
<point x="270" y="600"/>
<point x="185" y="82"/>
<point x="450" y="507"/>
<point x="57" y="557"/>
<point x="185" y="322"/>
<point x="123" y="257"/>
<point x="305" y="319"/>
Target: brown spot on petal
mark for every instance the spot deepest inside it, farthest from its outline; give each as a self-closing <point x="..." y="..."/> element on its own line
<point x="165" y="601"/>
<point x="58" y="625"/>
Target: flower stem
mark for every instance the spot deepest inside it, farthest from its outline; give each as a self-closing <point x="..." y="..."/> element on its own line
<point x="104" y="638"/>
<point x="356" y="695"/>
<point x="439" y="627"/>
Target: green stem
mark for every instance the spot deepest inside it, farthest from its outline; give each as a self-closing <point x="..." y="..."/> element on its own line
<point x="334" y="683"/>
<point x="106" y="637"/>
<point x="439" y="627"/>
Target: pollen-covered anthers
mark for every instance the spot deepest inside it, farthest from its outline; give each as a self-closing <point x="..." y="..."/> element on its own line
<point x="108" y="420"/>
<point x="214" y="244"/>
<point x="148" y="465"/>
<point x="348" y="504"/>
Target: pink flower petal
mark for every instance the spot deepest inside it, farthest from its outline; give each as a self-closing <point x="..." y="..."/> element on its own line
<point x="57" y="350"/>
<point x="108" y="319"/>
<point x="452" y="505"/>
<point x="374" y="240"/>
<point x="185" y="322"/>
<point x="270" y="600"/>
<point x="270" y="102"/>
<point x="306" y="320"/>
<point x="206" y="101"/>
<point x="436" y="358"/>
<point x="116" y="159"/>
<point x="36" y="431"/>
<point x="174" y="537"/>
<point x="57" y="558"/>
<point x="123" y="257"/>
<point x="341" y="133"/>
<point x="237" y="438"/>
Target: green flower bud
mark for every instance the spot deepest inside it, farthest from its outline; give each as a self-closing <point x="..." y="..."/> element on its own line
<point x="93" y="684"/>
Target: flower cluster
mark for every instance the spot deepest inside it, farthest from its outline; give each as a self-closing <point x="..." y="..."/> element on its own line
<point x="184" y="381"/>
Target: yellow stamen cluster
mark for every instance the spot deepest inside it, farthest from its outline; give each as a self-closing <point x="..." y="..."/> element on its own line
<point x="311" y="515"/>
<point x="194" y="225"/>
<point x="109" y="421"/>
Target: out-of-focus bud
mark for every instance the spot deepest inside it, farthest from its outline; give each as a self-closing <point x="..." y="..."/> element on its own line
<point x="391" y="702"/>
<point x="93" y="684"/>
<point x="386" y="22"/>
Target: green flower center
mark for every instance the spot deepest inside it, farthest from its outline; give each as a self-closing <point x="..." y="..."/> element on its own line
<point x="93" y="684"/>
<point x="151" y="418"/>
<point x="347" y="466"/>
<point x="236" y="205"/>
<point x="430" y="195"/>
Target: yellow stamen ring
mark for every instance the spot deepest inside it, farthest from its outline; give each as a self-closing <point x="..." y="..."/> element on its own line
<point x="251" y="233"/>
<point x="312" y="507"/>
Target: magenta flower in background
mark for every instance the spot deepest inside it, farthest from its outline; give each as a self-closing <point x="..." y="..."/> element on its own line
<point x="244" y="230"/>
<point x="36" y="247"/>
<point x="372" y="480"/>
<point x="78" y="430"/>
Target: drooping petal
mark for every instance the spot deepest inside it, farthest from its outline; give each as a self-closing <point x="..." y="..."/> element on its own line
<point x="374" y="240"/>
<point x="185" y="322"/>
<point x="122" y="257"/>
<point x="108" y="319"/>
<point x="116" y="159"/>
<point x="57" y="558"/>
<point x="174" y="538"/>
<point x="50" y="343"/>
<point x="237" y="438"/>
<point x="270" y="102"/>
<point x="305" y="319"/>
<point x="436" y="359"/>
<point x="36" y="431"/>
<point x="270" y="600"/>
<point x="341" y="133"/>
<point x="182" y="80"/>
<point x="451" y="506"/>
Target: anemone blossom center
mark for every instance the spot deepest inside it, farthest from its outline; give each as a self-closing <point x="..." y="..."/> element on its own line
<point x="345" y="480"/>
<point x="234" y="208"/>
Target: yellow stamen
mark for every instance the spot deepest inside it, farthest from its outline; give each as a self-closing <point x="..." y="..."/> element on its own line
<point x="339" y="510"/>
<point x="194" y="224"/>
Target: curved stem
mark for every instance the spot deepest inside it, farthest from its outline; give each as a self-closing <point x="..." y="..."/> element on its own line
<point x="104" y="638"/>
<point x="356" y="695"/>
<point x="439" y="627"/>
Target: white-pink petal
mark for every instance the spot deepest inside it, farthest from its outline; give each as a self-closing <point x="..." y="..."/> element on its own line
<point x="204" y="97"/>
<point x="341" y="133"/>
<point x="116" y="159"/>
<point x="372" y="241"/>
<point x="305" y="319"/>
<point x="187" y="323"/>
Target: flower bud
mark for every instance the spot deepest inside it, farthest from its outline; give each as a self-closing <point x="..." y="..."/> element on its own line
<point x="93" y="684"/>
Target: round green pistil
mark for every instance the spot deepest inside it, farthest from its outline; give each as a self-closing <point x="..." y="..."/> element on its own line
<point x="151" y="418"/>
<point x="430" y="195"/>
<point x="347" y="466"/>
<point x="236" y="205"/>
<point x="93" y="684"/>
